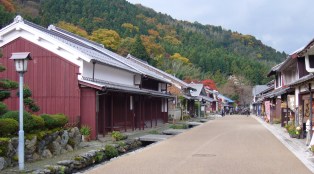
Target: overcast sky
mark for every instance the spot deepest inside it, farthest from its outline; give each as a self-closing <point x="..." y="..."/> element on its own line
<point x="282" y="24"/>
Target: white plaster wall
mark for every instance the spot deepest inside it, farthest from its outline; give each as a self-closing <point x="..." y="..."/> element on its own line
<point x="108" y="73"/>
<point x="290" y="76"/>
<point x="304" y="88"/>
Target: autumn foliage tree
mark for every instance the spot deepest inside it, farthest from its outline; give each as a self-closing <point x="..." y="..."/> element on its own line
<point x="109" y="38"/>
<point x="72" y="28"/>
<point x="209" y="83"/>
<point x="8" y="5"/>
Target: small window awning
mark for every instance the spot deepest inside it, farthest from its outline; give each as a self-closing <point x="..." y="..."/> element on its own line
<point x="109" y="86"/>
<point x="278" y="92"/>
<point x="302" y="80"/>
<point x="207" y="98"/>
<point x="187" y="97"/>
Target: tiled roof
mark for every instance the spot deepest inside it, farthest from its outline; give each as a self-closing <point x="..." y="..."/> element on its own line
<point x="278" y="92"/>
<point x="198" y="88"/>
<point x="82" y="47"/>
<point x="226" y="98"/>
<point x="107" y="53"/>
<point x="274" y="69"/>
<point x="258" y="89"/>
<point x="158" y="71"/>
<point x="304" y="79"/>
<point x="305" y="49"/>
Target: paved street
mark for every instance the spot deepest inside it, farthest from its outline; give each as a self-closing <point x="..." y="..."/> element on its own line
<point x="232" y="144"/>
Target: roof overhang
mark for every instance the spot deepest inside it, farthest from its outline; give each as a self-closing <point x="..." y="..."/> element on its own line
<point x="109" y="86"/>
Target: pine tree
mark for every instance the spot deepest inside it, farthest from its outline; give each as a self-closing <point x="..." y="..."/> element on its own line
<point x="138" y="50"/>
<point x="5" y="89"/>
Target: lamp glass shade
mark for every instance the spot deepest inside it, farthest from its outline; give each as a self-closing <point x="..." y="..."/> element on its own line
<point x="20" y="65"/>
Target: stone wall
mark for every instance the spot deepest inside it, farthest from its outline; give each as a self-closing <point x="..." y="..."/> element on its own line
<point x="90" y="158"/>
<point x="36" y="148"/>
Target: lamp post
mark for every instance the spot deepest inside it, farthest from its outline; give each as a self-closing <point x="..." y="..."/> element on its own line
<point x="20" y="60"/>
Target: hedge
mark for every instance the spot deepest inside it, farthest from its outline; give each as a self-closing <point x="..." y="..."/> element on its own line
<point x="3" y="108"/>
<point x="32" y="123"/>
<point x="39" y="123"/>
<point x="54" y="121"/>
<point x="8" y="126"/>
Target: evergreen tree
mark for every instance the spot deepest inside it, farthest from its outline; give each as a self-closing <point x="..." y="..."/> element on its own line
<point x="5" y="16"/>
<point x="5" y="89"/>
<point x="138" y="50"/>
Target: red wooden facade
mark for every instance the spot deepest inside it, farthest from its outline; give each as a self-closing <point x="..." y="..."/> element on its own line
<point x="55" y="86"/>
<point x="115" y="112"/>
<point x="52" y="79"/>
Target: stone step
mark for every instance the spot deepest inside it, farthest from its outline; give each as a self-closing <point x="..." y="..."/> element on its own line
<point x="193" y="124"/>
<point x="173" y="131"/>
<point x="203" y="120"/>
<point x="154" y="137"/>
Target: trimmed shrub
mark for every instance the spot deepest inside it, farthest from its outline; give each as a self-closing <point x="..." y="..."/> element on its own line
<point x="61" y="119"/>
<point x="8" y="126"/>
<point x="54" y="121"/>
<point x="4" y="95"/>
<point x="39" y="123"/>
<point x="26" y="92"/>
<point x="28" y="121"/>
<point x="111" y="151"/>
<point x="3" y="108"/>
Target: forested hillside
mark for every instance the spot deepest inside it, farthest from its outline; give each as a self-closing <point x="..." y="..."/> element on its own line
<point x="187" y="50"/>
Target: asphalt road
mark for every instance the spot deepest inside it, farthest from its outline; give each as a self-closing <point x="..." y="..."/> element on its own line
<point x="229" y="145"/>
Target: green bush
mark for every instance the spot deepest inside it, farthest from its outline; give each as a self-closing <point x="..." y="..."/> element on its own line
<point x="3" y="108"/>
<point x="4" y="95"/>
<point x="8" y="126"/>
<point x="85" y="130"/>
<point x="178" y="126"/>
<point x="26" y="92"/>
<point x="39" y="123"/>
<point x="29" y="124"/>
<point x="4" y="142"/>
<point x="186" y="117"/>
<point x="117" y="136"/>
<point x="54" y="121"/>
<point x="111" y="151"/>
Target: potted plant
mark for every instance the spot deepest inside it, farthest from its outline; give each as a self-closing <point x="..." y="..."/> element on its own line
<point x="85" y="131"/>
<point x="298" y="131"/>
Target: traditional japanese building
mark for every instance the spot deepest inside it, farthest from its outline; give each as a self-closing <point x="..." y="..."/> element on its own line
<point x="85" y="81"/>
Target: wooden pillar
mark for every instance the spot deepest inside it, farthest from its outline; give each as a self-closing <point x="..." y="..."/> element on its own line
<point x="140" y="116"/>
<point x="104" y="113"/>
<point x="143" y="112"/>
<point x="126" y="112"/>
<point x="151" y="113"/>
<point x="156" y="112"/>
<point x="133" y="113"/>
<point x="111" y="115"/>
